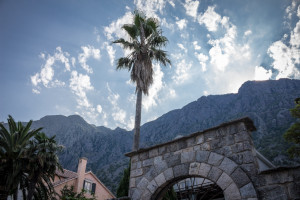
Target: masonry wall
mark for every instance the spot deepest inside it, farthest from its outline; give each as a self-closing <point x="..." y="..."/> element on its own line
<point x="279" y="184"/>
<point x="224" y="154"/>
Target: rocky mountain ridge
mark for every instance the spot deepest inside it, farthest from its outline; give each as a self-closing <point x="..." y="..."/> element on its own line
<point x="267" y="103"/>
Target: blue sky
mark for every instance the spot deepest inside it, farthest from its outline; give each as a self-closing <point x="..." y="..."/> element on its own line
<point x="56" y="57"/>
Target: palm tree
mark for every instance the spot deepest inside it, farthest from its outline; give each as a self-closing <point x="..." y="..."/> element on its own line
<point x="13" y="145"/>
<point x="145" y="44"/>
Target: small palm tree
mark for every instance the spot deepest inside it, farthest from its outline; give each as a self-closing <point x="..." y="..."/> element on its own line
<point x="145" y="45"/>
<point x="13" y="145"/>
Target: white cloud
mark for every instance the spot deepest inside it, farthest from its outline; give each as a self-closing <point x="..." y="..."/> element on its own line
<point x="35" y="91"/>
<point x="196" y="46"/>
<point x="182" y="72"/>
<point x="290" y="9"/>
<point x="210" y="19"/>
<point x="285" y="59"/>
<point x="46" y="75"/>
<point x="80" y="84"/>
<point x="171" y="2"/>
<point x="150" y="7"/>
<point x="152" y="98"/>
<point x="191" y="8"/>
<point x="73" y="60"/>
<point x="111" y="53"/>
<point x="248" y="32"/>
<point x="295" y="34"/>
<point x="202" y="60"/>
<point x="88" y="51"/>
<point x="182" y="47"/>
<point x="172" y="93"/>
<point x="261" y="73"/>
<point x="114" y="30"/>
<point x="181" y="23"/>
<point x="99" y="108"/>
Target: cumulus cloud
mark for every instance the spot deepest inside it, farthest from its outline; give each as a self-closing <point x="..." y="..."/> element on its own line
<point x="182" y="47"/>
<point x="181" y="23"/>
<point x="261" y="73"/>
<point x="202" y="60"/>
<point x="150" y="7"/>
<point x="152" y="99"/>
<point x="248" y="32"/>
<point x="196" y="46"/>
<point x="191" y="8"/>
<point x="111" y="53"/>
<point x="88" y="52"/>
<point x="99" y="108"/>
<point x="210" y="19"/>
<point x="182" y="72"/>
<point x="286" y="57"/>
<point x="80" y="84"/>
<point x="46" y="75"/>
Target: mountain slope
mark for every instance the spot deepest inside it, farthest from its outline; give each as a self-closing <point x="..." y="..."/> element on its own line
<point x="267" y="103"/>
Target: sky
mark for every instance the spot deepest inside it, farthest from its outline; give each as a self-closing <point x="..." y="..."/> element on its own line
<point x="57" y="57"/>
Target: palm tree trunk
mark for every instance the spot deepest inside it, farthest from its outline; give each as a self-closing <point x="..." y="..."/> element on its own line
<point x="31" y="187"/>
<point x="137" y="123"/>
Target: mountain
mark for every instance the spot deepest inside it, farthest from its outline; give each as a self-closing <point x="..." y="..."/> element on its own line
<point x="267" y="103"/>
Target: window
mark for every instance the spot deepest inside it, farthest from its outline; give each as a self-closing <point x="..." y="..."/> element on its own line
<point x="89" y="187"/>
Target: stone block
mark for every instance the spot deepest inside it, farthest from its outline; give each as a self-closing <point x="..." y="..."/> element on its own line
<point x="220" y="132"/>
<point x="204" y="169"/>
<point x="133" y="165"/>
<point x="153" y="153"/>
<point x="162" y="150"/>
<point x="210" y="135"/>
<point x="214" y="174"/>
<point x="172" y="147"/>
<point x="151" y="173"/>
<point x="136" y="194"/>
<point x="237" y="147"/>
<point x="248" y="191"/>
<point x="144" y="155"/>
<point x="187" y="157"/>
<point x="248" y="145"/>
<point x="136" y="172"/>
<point x="294" y="190"/>
<point x="228" y="140"/>
<point x="237" y="158"/>
<point x="173" y="160"/>
<point x="273" y="192"/>
<point x="134" y="158"/>
<point x="169" y="174"/>
<point x="197" y="148"/>
<point x="146" y="194"/>
<point x="215" y="144"/>
<point x="148" y="162"/>
<point x="182" y="144"/>
<point x="241" y="127"/>
<point x="241" y="136"/>
<point x="178" y="152"/>
<point x="232" y="192"/>
<point x="202" y="156"/>
<point x="250" y="169"/>
<point x="194" y="168"/>
<point x="239" y="177"/>
<point x="200" y="139"/>
<point x="224" y="181"/>
<point x="228" y="165"/>
<point x="181" y="170"/>
<point x="160" y="179"/>
<point x="205" y="146"/>
<point x="143" y="183"/>
<point x="190" y="142"/>
<point x="215" y="159"/>
<point x="132" y="183"/>
<point x="189" y="149"/>
<point x="152" y="186"/>
<point x="160" y="164"/>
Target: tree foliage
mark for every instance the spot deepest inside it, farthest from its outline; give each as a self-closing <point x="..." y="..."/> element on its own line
<point x="28" y="161"/>
<point x="67" y="193"/>
<point x="293" y="133"/>
<point x="123" y="187"/>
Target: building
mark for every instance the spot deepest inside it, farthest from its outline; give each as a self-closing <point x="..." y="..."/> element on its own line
<point x="82" y="180"/>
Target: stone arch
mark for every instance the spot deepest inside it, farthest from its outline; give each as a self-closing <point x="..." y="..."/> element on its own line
<point x="229" y="176"/>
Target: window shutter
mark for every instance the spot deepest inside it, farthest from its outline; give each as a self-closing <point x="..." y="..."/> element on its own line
<point x="93" y="188"/>
<point x="83" y="184"/>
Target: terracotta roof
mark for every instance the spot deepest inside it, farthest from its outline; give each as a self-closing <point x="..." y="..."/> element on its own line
<point x="66" y="176"/>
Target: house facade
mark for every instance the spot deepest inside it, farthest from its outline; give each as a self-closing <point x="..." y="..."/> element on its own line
<point x="82" y="180"/>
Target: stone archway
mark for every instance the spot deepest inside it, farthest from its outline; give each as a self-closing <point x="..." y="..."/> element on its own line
<point x="223" y="155"/>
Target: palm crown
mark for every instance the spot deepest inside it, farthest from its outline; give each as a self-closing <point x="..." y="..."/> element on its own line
<point x="145" y="44"/>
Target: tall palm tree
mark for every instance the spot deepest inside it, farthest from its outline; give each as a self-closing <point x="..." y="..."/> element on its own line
<point x="145" y="43"/>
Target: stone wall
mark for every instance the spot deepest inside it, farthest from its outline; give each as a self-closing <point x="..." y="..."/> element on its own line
<point x="279" y="184"/>
<point x="223" y="154"/>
